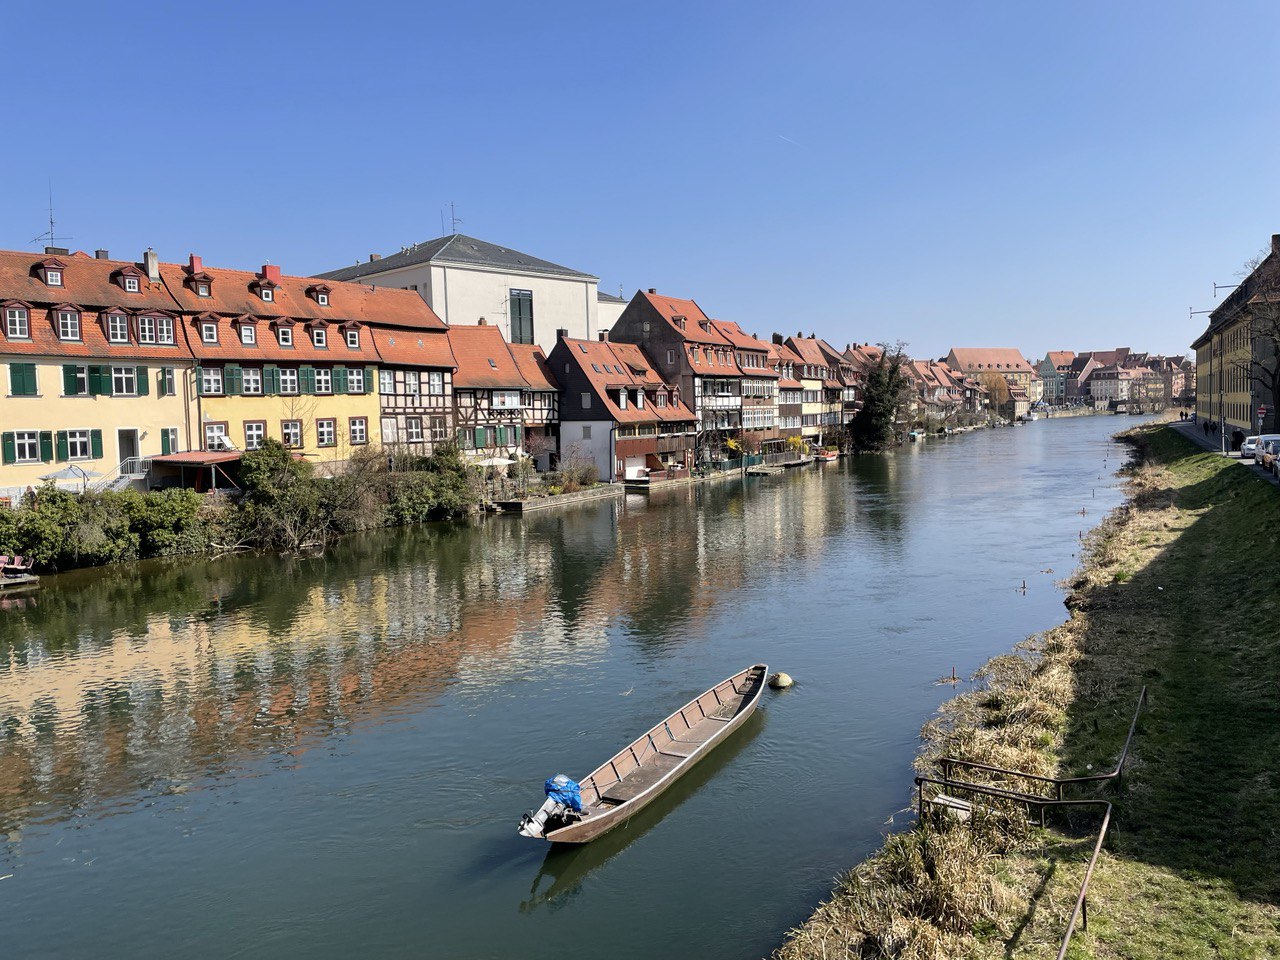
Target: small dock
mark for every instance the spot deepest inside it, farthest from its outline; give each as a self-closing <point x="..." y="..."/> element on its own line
<point x="763" y="470"/>
<point x="21" y="581"/>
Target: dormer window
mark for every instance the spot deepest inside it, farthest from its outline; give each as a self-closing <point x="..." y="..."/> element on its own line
<point x="117" y="328"/>
<point x="208" y="332"/>
<point x="17" y="323"/>
<point x="68" y="325"/>
<point x="131" y="284"/>
<point x="353" y="338"/>
<point x="268" y="294"/>
<point x="320" y="338"/>
<point x="622" y="399"/>
<point x="202" y="289"/>
<point x="146" y="329"/>
<point x="322" y="299"/>
<point x="53" y="278"/>
<point x="248" y="335"/>
<point x="284" y="336"/>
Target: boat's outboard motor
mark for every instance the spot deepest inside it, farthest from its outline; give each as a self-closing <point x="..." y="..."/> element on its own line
<point x="563" y="805"/>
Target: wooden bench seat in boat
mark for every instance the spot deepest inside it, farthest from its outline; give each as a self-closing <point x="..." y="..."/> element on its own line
<point x="640" y="780"/>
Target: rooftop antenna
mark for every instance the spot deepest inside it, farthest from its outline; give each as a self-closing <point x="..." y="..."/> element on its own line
<point x="442" y="233"/>
<point x="50" y="238"/>
<point x="453" y="218"/>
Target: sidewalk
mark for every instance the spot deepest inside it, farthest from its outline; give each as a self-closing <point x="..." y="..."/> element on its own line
<point x="1213" y="443"/>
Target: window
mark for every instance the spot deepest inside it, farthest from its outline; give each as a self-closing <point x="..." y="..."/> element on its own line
<point x="586" y="431"/>
<point x="168" y="386"/>
<point x="359" y="428"/>
<point x="202" y="289"/>
<point x="671" y="356"/>
<point x="412" y="383"/>
<point x="27" y="446"/>
<point x="322" y="299"/>
<point x="75" y="381"/>
<point x="520" y="310"/>
<point x="596" y="367"/>
<point x="320" y="338"/>
<point x="117" y="328"/>
<point x="662" y="399"/>
<point x="131" y="284"/>
<point x="288" y="380"/>
<point x="284" y="336"/>
<point x="251" y="382"/>
<point x="435" y="383"/>
<point x="622" y="399"/>
<point x="53" y="278"/>
<point x="124" y="381"/>
<point x="439" y="429"/>
<point x="586" y="401"/>
<point x="413" y="429"/>
<point x="326" y="433"/>
<point x="268" y="295"/>
<point x="255" y="431"/>
<point x="68" y="325"/>
<point x="164" y="330"/>
<point x="353" y="338"/>
<point x="17" y="323"/>
<point x="22" y="380"/>
<point x="355" y="380"/>
<point x="639" y="399"/>
<point x="209" y="332"/>
<point x="248" y="335"/>
<point x="215" y="436"/>
<point x="211" y="381"/>
<point x="291" y="433"/>
<point x="146" y="329"/>
<point x="169" y="440"/>
<point x="78" y="445"/>
<point x="386" y="382"/>
<point x="324" y="381"/>
<point x="506" y="399"/>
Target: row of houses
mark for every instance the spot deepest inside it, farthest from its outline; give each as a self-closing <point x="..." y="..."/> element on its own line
<point x="125" y="373"/>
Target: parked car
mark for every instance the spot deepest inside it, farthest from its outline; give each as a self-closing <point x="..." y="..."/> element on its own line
<point x="1268" y="448"/>
<point x="1249" y="449"/>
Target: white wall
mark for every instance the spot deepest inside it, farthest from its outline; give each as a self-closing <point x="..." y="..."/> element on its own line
<point x="598" y="447"/>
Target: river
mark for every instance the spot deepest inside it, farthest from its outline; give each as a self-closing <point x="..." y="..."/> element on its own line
<point x="269" y="757"/>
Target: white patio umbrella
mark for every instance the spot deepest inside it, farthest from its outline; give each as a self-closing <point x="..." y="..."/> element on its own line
<point x="72" y="472"/>
<point x="494" y="462"/>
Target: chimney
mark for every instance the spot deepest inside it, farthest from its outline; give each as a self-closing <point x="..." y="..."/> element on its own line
<point x="374" y="256"/>
<point x="483" y="322"/>
<point x="56" y="251"/>
<point x="194" y="264"/>
<point x="653" y="289"/>
<point x="562" y="334"/>
<point x="101" y="255"/>
<point x="778" y="339"/>
<point x="604" y="336"/>
<point x="271" y="271"/>
<point x="152" y="264"/>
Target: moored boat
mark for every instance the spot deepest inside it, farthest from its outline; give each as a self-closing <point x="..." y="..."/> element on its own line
<point x="639" y="772"/>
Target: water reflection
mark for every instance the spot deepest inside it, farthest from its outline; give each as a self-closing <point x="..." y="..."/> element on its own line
<point x="149" y="677"/>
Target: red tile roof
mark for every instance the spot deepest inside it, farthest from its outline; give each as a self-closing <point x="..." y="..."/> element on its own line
<point x="532" y="363"/>
<point x="266" y="348"/>
<point x="483" y="360"/>
<point x="610" y="367"/>
<point x="414" y="348"/>
<point x="1001" y="359"/>
<point x="745" y="344"/>
<point x="1060" y="358"/>
<point x="780" y="353"/>
<point x="697" y="325"/>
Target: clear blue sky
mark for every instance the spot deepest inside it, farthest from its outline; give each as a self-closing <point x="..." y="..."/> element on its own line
<point x="1040" y="176"/>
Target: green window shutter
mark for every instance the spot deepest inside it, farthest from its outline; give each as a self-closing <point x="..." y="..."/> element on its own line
<point x="95" y="444"/>
<point x="46" y="446"/>
<point x="502" y="436"/>
<point x="8" y="448"/>
<point x="70" y="379"/>
<point x="232" y="380"/>
<point x="307" y="380"/>
<point x="270" y="380"/>
<point x="339" y="379"/>
<point x="518" y="432"/>
<point x="22" y="379"/>
<point x="162" y="381"/>
<point x="164" y="443"/>
<point x="143" y="377"/>
<point x="479" y="438"/>
<point x="100" y="381"/>
<point x="62" y="450"/>
<point x="370" y="379"/>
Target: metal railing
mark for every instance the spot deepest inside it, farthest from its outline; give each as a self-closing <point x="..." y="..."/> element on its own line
<point x="128" y="467"/>
<point x="1081" y="912"/>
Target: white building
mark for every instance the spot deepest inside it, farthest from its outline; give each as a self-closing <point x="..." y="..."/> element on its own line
<point x="465" y="280"/>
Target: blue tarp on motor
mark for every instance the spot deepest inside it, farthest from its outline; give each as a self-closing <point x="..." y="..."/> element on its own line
<point x="564" y="790"/>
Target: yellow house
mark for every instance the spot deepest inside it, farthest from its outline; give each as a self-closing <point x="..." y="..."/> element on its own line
<point x="95" y="374"/>
<point x="286" y="358"/>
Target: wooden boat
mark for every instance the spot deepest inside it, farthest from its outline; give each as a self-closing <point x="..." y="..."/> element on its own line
<point x="639" y="772"/>
<point x="827" y="456"/>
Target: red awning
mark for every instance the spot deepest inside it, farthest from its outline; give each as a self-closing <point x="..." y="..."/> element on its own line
<point x="200" y="458"/>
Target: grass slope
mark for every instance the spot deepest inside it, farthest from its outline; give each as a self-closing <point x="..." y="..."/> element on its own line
<point x="1180" y="590"/>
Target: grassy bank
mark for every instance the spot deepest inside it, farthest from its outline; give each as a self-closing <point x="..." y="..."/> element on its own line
<point x="1180" y="590"/>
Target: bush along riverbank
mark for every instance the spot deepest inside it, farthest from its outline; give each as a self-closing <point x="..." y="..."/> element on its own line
<point x="283" y="506"/>
<point x="1180" y="591"/>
